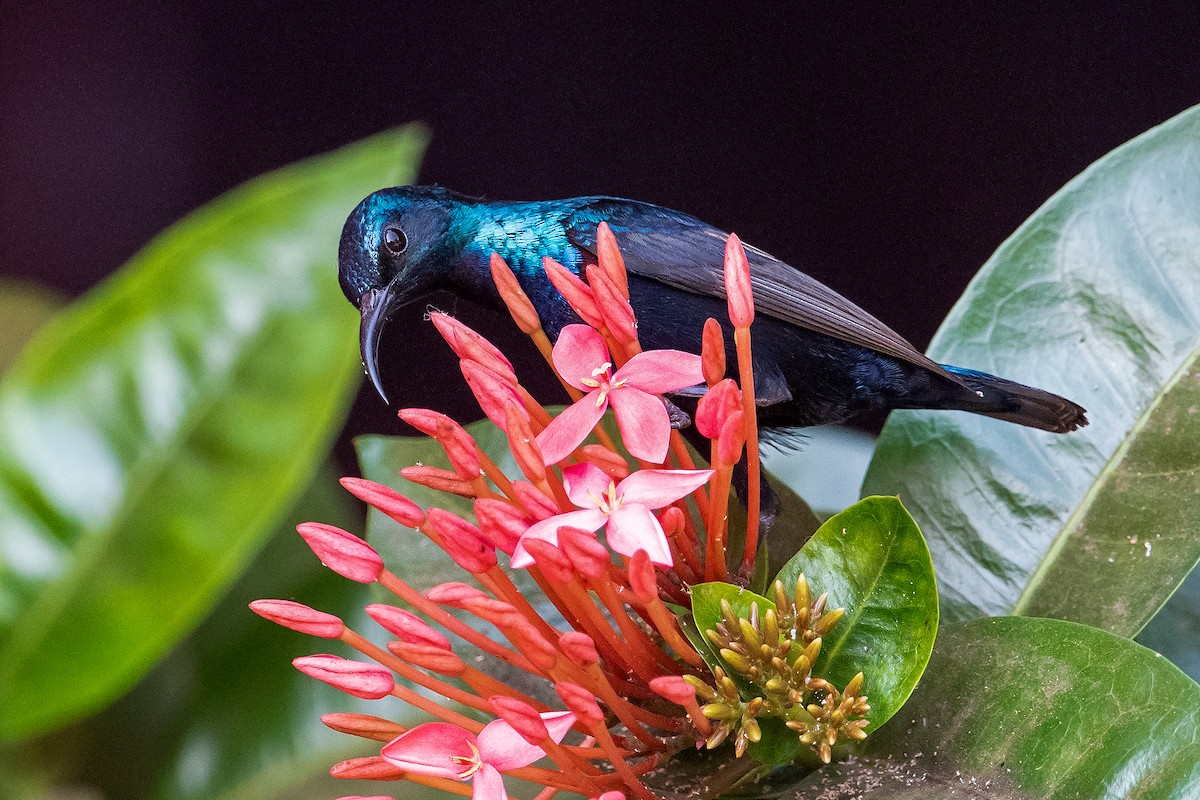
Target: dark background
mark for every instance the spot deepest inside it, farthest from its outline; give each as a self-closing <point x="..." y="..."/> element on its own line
<point x="886" y="153"/>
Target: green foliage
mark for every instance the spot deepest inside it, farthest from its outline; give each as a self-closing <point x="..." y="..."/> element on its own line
<point x="155" y="433"/>
<point x="1015" y="708"/>
<point x="872" y="560"/>
<point x="1097" y="296"/>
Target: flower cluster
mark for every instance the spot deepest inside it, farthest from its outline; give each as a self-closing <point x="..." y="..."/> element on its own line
<point x="624" y="672"/>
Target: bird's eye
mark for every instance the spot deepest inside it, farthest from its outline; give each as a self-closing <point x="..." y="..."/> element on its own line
<point x="395" y="241"/>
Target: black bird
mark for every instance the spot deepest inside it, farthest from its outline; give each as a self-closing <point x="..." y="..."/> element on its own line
<point x="818" y="358"/>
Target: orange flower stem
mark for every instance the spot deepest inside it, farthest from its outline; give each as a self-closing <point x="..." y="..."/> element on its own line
<point x="512" y="595"/>
<point x="620" y="765"/>
<point x="430" y="707"/>
<point x="718" y="512"/>
<point x="487" y="686"/>
<point x="741" y="339"/>
<point x="539" y="418"/>
<point x="435" y="612"/>
<point x="442" y="784"/>
<point x="546" y="777"/>
<point x="684" y="459"/>
<point x="632" y="716"/>
<point x="666" y="624"/>
<point x="408" y="672"/>
<point x="607" y="639"/>
<point x="629" y="629"/>
<point x="494" y="473"/>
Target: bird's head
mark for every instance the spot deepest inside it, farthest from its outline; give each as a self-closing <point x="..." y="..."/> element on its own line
<point x="389" y="256"/>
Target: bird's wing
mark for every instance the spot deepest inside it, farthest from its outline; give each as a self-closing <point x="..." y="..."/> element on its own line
<point x="683" y="252"/>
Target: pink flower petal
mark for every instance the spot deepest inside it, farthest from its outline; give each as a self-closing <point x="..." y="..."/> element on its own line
<point x="488" y="784"/>
<point x="558" y="723"/>
<point x="427" y="750"/>
<point x="589" y="519"/>
<point x="578" y="351"/>
<point x="660" y="371"/>
<point x="568" y="430"/>
<point x="502" y="747"/>
<point x="642" y="418"/>
<point x="584" y="483"/>
<point x="632" y="528"/>
<point x="656" y="488"/>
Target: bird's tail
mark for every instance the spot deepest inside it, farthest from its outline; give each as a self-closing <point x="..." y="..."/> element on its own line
<point x="1014" y="402"/>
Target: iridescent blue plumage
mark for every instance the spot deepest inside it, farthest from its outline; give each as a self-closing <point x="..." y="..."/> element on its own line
<point x="818" y="357"/>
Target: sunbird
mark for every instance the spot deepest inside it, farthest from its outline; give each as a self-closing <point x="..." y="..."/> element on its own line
<point x="818" y="358"/>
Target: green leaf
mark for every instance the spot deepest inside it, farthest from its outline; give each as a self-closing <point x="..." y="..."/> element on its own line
<point x="151" y="436"/>
<point x="706" y="613"/>
<point x="1097" y="297"/>
<point x="1033" y="708"/>
<point x="872" y="560"/>
<point x="1175" y="630"/>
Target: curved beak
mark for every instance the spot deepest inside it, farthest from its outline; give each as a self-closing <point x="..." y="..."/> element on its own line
<point x="375" y="306"/>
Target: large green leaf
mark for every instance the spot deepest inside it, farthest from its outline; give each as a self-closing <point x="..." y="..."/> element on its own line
<point x="1032" y="708"/>
<point x="152" y="435"/>
<point x="1097" y="297"/>
<point x="872" y="560"/>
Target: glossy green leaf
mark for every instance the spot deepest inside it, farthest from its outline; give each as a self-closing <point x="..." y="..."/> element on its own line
<point x="1021" y="708"/>
<point x="1097" y="297"/>
<point x="872" y="560"/>
<point x="706" y="614"/>
<point x="151" y="436"/>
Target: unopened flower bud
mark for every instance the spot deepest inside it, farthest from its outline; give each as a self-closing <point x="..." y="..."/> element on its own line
<point x="712" y="352"/>
<point x="427" y="657"/>
<point x="618" y="314"/>
<point x="519" y="306"/>
<point x="610" y="463"/>
<point x="364" y="725"/>
<point x="738" y="291"/>
<point x="366" y="681"/>
<point x="580" y="702"/>
<point x="469" y="345"/>
<point x="387" y="500"/>
<point x="579" y="647"/>
<point x="343" y="552"/>
<point x="608" y="256"/>
<point x="462" y="541"/>
<point x="587" y="556"/>
<point x="521" y="717"/>
<point x="500" y="523"/>
<point x="370" y="768"/>
<point x="438" y="479"/>
<point x="299" y="617"/>
<point x="577" y="293"/>
<point x="406" y="626"/>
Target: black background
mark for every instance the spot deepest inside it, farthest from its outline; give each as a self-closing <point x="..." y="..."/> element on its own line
<point x="886" y="152"/>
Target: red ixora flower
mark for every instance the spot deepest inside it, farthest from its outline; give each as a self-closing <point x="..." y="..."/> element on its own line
<point x="625" y="508"/>
<point x="583" y="361"/>
<point x="442" y="750"/>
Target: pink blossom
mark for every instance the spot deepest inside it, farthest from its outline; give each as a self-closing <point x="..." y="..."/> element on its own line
<point x="583" y="361"/>
<point x="448" y="751"/>
<point x="625" y="508"/>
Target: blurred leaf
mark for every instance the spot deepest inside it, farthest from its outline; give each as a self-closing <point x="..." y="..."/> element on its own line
<point x="1032" y="708"/>
<point x="24" y="307"/>
<point x="872" y="560"/>
<point x="1096" y="296"/>
<point x="152" y="435"/>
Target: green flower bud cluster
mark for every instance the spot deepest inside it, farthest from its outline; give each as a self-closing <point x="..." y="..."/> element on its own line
<point x="774" y="651"/>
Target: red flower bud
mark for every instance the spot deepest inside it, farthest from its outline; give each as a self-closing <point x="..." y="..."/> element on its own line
<point x="608" y="255"/>
<point x="371" y="768"/>
<point x="674" y="688"/>
<point x="500" y="524"/>
<point x="522" y="311"/>
<point x="712" y="352"/>
<point x="438" y="479"/>
<point x="434" y="659"/>
<point x="299" y="617"/>
<point x="618" y="314"/>
<point x="737" y="283"/>
<point x="493" y="395"/>
<point x="367" y="681"/>
<point x="733" y="436"/>
<point x="530" y="643"/>
<point x="610" y="463"/>
<point x="343" y="552"/>
<point x="642" y="577"/>
<point x="387" y="500"/>
<point x="459" y="446"/>
<point x="550" y="560"/>
<point x="471" y="346"/>
<point x="462" y="541"/>
<point x="576" y="292"/>
<point x="579" y="647"/>
<point x="585" y="553"/>
<point x="453" y="594"/>
<point x="580" y="702"/>
<point x="406" y="626"/>
<point x="671" y="519"/>
<point x="364" y="725"/>
<point x="521" y="717"/>
<point x="721" y="400"/>
<point x="535" y="503"/>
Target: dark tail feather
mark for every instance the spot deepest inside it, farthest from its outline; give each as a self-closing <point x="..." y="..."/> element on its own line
<point x="1015" y="402"/>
